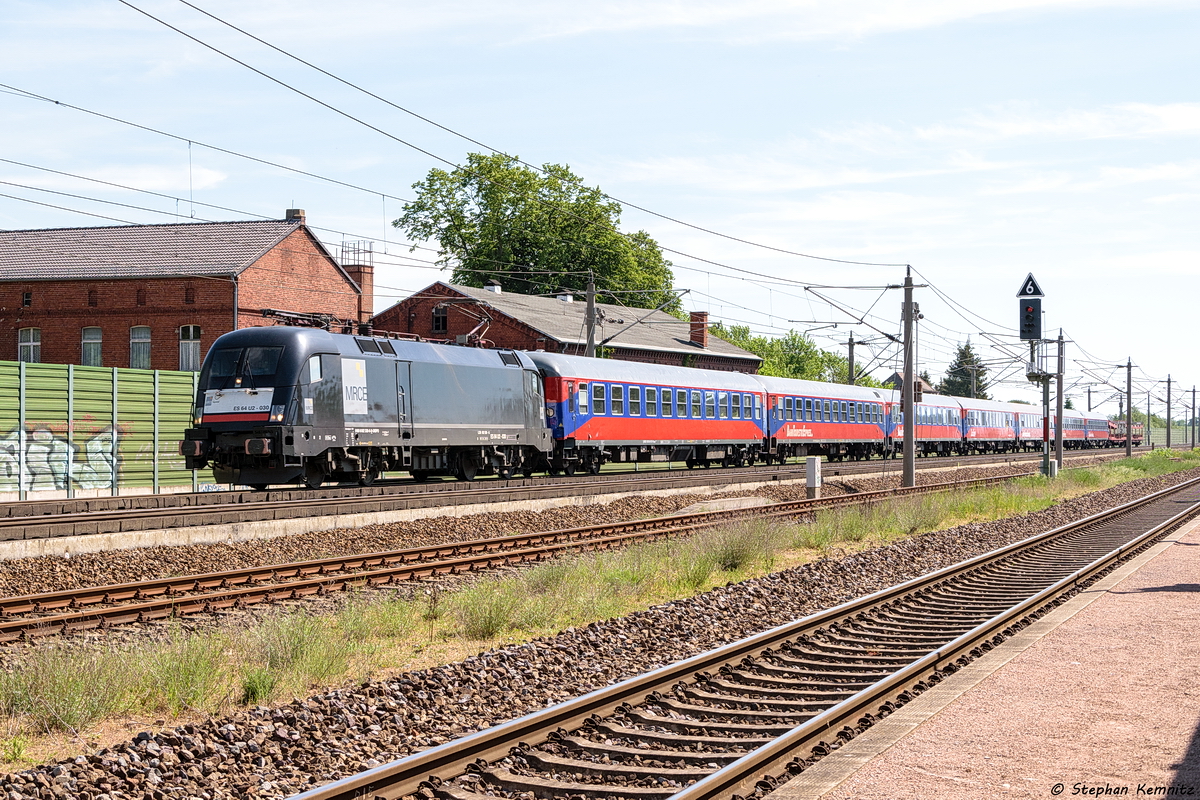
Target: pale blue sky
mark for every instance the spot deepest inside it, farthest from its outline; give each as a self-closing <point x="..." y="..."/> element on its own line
<point x="976" y="141"/>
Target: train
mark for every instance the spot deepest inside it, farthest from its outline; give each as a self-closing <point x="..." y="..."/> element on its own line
<point x="294" y="405"/>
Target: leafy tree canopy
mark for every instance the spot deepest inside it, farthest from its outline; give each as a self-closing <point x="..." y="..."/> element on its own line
<point x="958" y="380"/>
<point x="535" y="232"/>
<point x="790" y="356"/>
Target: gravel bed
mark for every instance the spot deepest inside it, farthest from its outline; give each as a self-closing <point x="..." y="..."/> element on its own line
<point x="57" y="573"/>
<point x="277" y="751"/>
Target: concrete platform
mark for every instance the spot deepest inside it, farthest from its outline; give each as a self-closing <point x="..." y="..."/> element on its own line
<point x="1101" y="697"/>
<point x="1098" y="698"/>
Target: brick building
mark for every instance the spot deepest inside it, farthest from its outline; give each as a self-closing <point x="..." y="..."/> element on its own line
<point x="556" y="324"/>
<point x="157" y="296"/>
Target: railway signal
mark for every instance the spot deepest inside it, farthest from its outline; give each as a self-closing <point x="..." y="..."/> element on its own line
<point x="1031" y="318"/>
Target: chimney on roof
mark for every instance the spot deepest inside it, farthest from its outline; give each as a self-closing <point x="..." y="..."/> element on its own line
<point x="295" y="214"/>
<point x="699" y="328"/>
<point x="493" y="286"/>
<point x="565" y="295"/>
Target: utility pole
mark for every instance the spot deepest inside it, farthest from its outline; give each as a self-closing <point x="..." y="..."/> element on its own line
<point x="589" y="319"/>
<point x="909" y="477"/>
<point x="1193" y="416"/>
<point x="850" y="372"/>
<point x="1149" y="438"/>
<point x="1129" y="409"/>
<point x="1089" y="399"/>
<point x="1168" y="412"/>
<point x="1058" y="418"/>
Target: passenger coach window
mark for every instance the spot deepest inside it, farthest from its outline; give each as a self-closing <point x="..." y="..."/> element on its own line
<point x="737" y="406"/>
<point x="598" y="398"/>
<point x="571" y="396"/>
<point x="618" y="400"/>
<point x="651" y="402"/>
<point x="826" y="415"/>
<point x="583" y="398"/>
<point x="722" y="405"/>
<point x="635" y="400"/>
<point x="695" y="405"/>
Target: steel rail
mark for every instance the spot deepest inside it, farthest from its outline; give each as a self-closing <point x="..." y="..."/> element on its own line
<point x="405" y="776"/>
<point x="185" y="595"/>
<point x="746" y="773"/>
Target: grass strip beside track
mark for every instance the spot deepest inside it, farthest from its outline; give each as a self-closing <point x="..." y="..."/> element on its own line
<point x="73" y="689"/>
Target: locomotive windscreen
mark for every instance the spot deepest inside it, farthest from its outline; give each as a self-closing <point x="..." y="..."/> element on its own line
<point x="255" y="363"/>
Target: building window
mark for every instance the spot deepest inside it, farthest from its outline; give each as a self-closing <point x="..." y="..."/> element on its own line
<point x="27" y="301"/>
<point x="92" y="340"/>
<point x="139" y="346"/>
<point x="439" y="320"/>
<point x="29" y="345"/>
<point x="141" y="296"/>
<point x="189" y="348"/>
<point x="93" y="298"/>
<point x="189" y="294"/>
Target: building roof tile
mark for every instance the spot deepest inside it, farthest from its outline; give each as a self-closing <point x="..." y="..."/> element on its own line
<point x="564" y="322"/>
<point x="138" y="251"/>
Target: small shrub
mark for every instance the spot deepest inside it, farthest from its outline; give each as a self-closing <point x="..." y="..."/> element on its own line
<point x="12" y="750"/>
<point x="187" y="674"/>
<point x="67" y="690"/>
<point x="486" y="609"/>
<point x="258" y="685"/>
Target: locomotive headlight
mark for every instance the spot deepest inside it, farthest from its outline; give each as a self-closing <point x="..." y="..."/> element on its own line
<point x="277" y="413"/>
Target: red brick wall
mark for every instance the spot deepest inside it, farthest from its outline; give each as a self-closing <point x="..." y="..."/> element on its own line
<point x="295" y="276"/>
<point x="60" y="309"/>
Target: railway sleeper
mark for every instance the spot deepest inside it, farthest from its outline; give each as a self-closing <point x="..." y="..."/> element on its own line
<point x="652" y="720"/>
<point x="709" y="754"/>
<point x="506" y="779"/>
<point x="762" y="702"/>
<point x="608" y="729"/>
<point x="611" y="773"/>
<point x="715" y="713"/>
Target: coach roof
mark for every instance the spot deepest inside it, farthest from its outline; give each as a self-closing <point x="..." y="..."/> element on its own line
<point x="604" y="369"/>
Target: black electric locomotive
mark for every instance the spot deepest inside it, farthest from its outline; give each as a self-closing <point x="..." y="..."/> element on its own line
<point x="302" y="405"/>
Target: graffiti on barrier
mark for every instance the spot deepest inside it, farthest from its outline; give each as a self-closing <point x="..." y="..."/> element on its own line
<point x="40" y="459"/>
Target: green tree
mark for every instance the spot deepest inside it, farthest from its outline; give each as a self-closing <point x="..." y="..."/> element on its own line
<point x="965" y="366"/>
<point x="1069" y="404"/>
<point x="790" y="356"/>
<point x="535" y="232"/>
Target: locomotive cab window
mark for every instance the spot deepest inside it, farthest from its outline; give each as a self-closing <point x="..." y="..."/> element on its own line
<point x="314" y="369"/>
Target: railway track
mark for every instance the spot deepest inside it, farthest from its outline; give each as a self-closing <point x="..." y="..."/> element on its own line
<point x="74" y="610"/>
<point x="111" y="515"/>
<point x="712" y="726"/>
